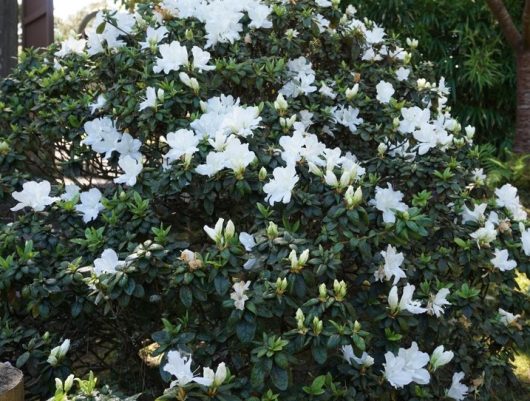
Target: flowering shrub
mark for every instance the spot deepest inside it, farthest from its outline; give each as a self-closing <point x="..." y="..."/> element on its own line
<point x="263" y="200"/>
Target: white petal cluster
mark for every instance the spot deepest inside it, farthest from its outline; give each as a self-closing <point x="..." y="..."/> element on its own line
<point x="35" y="195"/>
<point x="302" y="78"/>
<point x="349" y="355"/>
<point x="179" y="365"/>
<point x="222" y="18"/>
<point x="507" y="197"/>
<point x="391" y="267"/>
<point x="112" y="34"/>
<point x="406" y="302"/>
<point x="388" y="201"/>
<point x="107" y="263"/>
<point x="239" y="295"/>
<point x="406" y="367"/>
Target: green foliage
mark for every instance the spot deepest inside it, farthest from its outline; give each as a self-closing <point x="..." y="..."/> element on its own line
<point x="315" y="274"/>
<point x="465" y="45"/>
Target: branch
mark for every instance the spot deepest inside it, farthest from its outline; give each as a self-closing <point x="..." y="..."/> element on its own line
<point x="508" y="28"/>
<point x="526" y="23"/>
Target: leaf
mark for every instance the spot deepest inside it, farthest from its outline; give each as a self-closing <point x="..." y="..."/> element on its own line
<point x="320" y="354"/>
<point x="22" y="359"/>
<point x="186" y="296"/>
<point x="245" y="331"/>
<point x="221" y="284"/>
<point x="279" y="378"/>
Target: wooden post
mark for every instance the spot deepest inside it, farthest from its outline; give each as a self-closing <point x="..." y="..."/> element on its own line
<point x="37" y="23"/>
<point x="8" y="36"/>
<point x="11" y="383"/>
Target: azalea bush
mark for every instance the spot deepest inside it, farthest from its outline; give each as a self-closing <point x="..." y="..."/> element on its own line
<point x="251" y="200"/>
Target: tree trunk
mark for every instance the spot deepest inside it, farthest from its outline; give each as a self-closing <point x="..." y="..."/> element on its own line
<point x="522" y="131"/>
<point x="8" y="36"/>
<point x="11" y="383"/>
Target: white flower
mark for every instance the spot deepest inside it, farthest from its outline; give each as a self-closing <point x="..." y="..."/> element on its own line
<point x="154" y="36"/>
<point x="457" y="391"/>
<point x="201" y="59"/>
<point x="107" y="263"/>
<point x="388" y="201"/>
<point x="98" y="104"/>
<point x="478" y="176"/>
<point x="391" y="267"/>
<point x="385" y="90"/>
<point x="476" y="215"/>
<point x="241" y="120"/>
<point x="501" y="262"/>
<point x="247" y="240"/>
<point x="413" y="118"/>
<point x="35" y="195"/>
<point x="173" y="57"/>
<point x="485" y="235"/>
<point x="102" y="135"/>
<point x="406" y="302"/>
<point x="151" y="96"/>
<point x="215" y="162"/>
<point x="323" y="3"/>
<point x="188" y="81"/>
<point x="406" y="367"/>
<point x="347" y="116"/>
<point x="437" y="303"/>
<point x="182" y="143"/>
<point x="507" y="197"/>
<point x="440" y="357"/>
<point x="238" y="156"/>
<point x="218" y="377"/>
<point x="507" y="318"/>
<point x="525" y="241"/>
<point x="128" y="146"/>
<point x="327" y="91"/>
<point x="58" y="353"/>
<point x="90" y="204"/>
<point x="402" y="73"/>
<point x="131" y="168"/>
<point x="71" y="45"/>
<point x="259" y="14"/>
<point x="348" y="354"/>
<point x="280" y="187"/>
<point x="179" y="366"/>
<point x="239" y="295"/>
<point x="70" y="192"/>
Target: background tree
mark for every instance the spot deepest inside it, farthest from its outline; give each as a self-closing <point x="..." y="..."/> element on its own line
<point x="461" y="39"/>
<point x="519" y="41"/>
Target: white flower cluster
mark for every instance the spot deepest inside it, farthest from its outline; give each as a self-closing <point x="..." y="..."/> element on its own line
<point x="179" y="365"/>
<point x="221" y="18"/>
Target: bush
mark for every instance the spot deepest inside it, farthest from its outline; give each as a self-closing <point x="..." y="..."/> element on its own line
<point x="464" y="43"/>
<point x="274" y="193"/>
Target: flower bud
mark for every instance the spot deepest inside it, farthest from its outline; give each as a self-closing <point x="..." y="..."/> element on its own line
<point x="188" y="34"/>
<point x="300" y="321"/>
<point x="314" y="169"/>
<point x="339" y="290"/>
<point x="395" y="122"/>
<point x="412" y="43"/>
<point x="4" y="148"/>
<point x="353" y="199"/>
<point x="229" y="230"/>
<point x="352" y="92"/>
<point x="356" y="327"/>
<point x="470" y="132"/>
<point x="280" y="104"/>
<point x="68" y="383"/>
<point x="272" y="230"/>
<point x="281" y="285"/>
<point x="317" y="326"/>
<point x="322" y="292"/>
<point x="440" y="357"/>
<point x="422" y="84"/>
<point x="381" y="149"/>
<point x="262" y="175"/>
